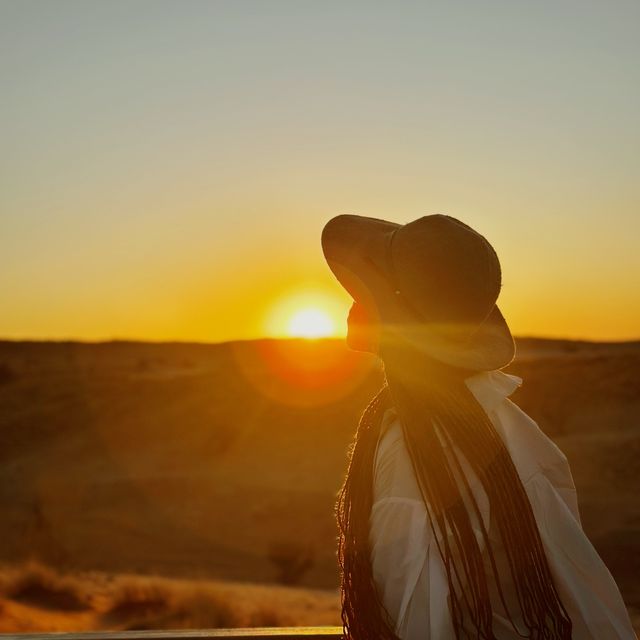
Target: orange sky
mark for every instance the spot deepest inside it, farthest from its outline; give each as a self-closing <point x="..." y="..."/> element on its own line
<point x="169" y="178"/>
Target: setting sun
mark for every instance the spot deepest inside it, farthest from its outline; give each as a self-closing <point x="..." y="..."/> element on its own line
<point x="311" y="323"/>
<point x="307" y="313"/>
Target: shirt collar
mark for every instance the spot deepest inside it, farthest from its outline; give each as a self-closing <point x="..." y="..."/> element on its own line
<point x="491" y="387"/>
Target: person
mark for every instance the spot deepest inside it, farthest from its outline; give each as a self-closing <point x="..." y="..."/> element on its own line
<point x="458" y="516"/>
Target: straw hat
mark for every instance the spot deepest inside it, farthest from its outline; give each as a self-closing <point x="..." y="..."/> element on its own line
<point x="433" y="282"/>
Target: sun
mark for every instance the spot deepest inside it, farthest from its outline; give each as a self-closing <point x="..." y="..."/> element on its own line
<point x="311" y="323"/>
<point x="306" y="313"/>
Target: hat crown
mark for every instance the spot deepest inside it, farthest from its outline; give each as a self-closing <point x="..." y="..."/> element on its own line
<point x="446" y="270"/>
<point x="446" y="273"/>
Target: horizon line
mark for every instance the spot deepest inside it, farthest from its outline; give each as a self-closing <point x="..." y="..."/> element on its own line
<point x="122" y="340"/>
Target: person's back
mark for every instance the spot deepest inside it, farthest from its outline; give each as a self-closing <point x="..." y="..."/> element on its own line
<point x="409" y="571"/>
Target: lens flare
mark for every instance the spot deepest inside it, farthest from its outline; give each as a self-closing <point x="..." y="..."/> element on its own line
<point x="303" y="360"/>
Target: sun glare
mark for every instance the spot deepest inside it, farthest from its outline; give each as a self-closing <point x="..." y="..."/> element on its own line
<point x="310" y="369"/>
<point x="307" y="314"/>
<point x="311" y="323"/>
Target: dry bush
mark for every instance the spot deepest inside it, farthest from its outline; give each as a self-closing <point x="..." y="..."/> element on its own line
<point x="35" y="583"/>
<point x="138" y="604"/>
<point x="193" y="609"/>
<point x="137" y="599"/>
<point x="292" y="560"/>
<point x="7" y="374"/>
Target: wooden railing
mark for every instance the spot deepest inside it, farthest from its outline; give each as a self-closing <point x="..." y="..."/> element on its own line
<point x="270" y="633"/>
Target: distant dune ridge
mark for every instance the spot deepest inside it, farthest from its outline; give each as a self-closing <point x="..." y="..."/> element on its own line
<point x="199" y="467"/>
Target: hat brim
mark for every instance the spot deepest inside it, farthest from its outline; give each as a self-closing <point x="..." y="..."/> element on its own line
<point x="355" y="250"/>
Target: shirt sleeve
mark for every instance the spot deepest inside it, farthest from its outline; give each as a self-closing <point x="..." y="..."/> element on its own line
<point x="560" y="477"/>
<point x="400" y="536"/>
<point x="406" y="563"/>
<point x="399" y="542"/>
<point x="534" y="452"/>
<point x="408" y="570"/>
<point x="586" y="587"/>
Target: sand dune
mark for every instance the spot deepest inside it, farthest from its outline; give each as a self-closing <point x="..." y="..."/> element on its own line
<point x="200" y="461"/>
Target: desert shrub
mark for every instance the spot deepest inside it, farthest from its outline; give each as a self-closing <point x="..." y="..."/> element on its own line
<point x="7" y="374"/>
<point x="137" y="599"/>
<point x="147" y="605"/>
<point x="38" y="584"/>
<point x="292" y="560"/>
<point x="144" y="364"/>
<point x="200" y="609"/>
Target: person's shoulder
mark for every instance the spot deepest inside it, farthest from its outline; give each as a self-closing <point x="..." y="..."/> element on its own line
<point x="532" y="450"/>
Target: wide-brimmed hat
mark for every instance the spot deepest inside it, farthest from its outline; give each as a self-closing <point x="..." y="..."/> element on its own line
<point x="433" y="282"/>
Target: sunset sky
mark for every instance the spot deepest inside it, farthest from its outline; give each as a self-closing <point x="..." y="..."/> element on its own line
<point x="166" y="168"/>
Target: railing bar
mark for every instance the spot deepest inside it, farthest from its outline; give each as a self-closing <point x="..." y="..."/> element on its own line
<point x="253" y="633"/>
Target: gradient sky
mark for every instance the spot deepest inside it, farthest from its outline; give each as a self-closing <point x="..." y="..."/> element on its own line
<point x="166" y="167"/>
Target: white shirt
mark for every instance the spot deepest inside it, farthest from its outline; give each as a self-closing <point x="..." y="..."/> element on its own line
<point x="407" y="566"/>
